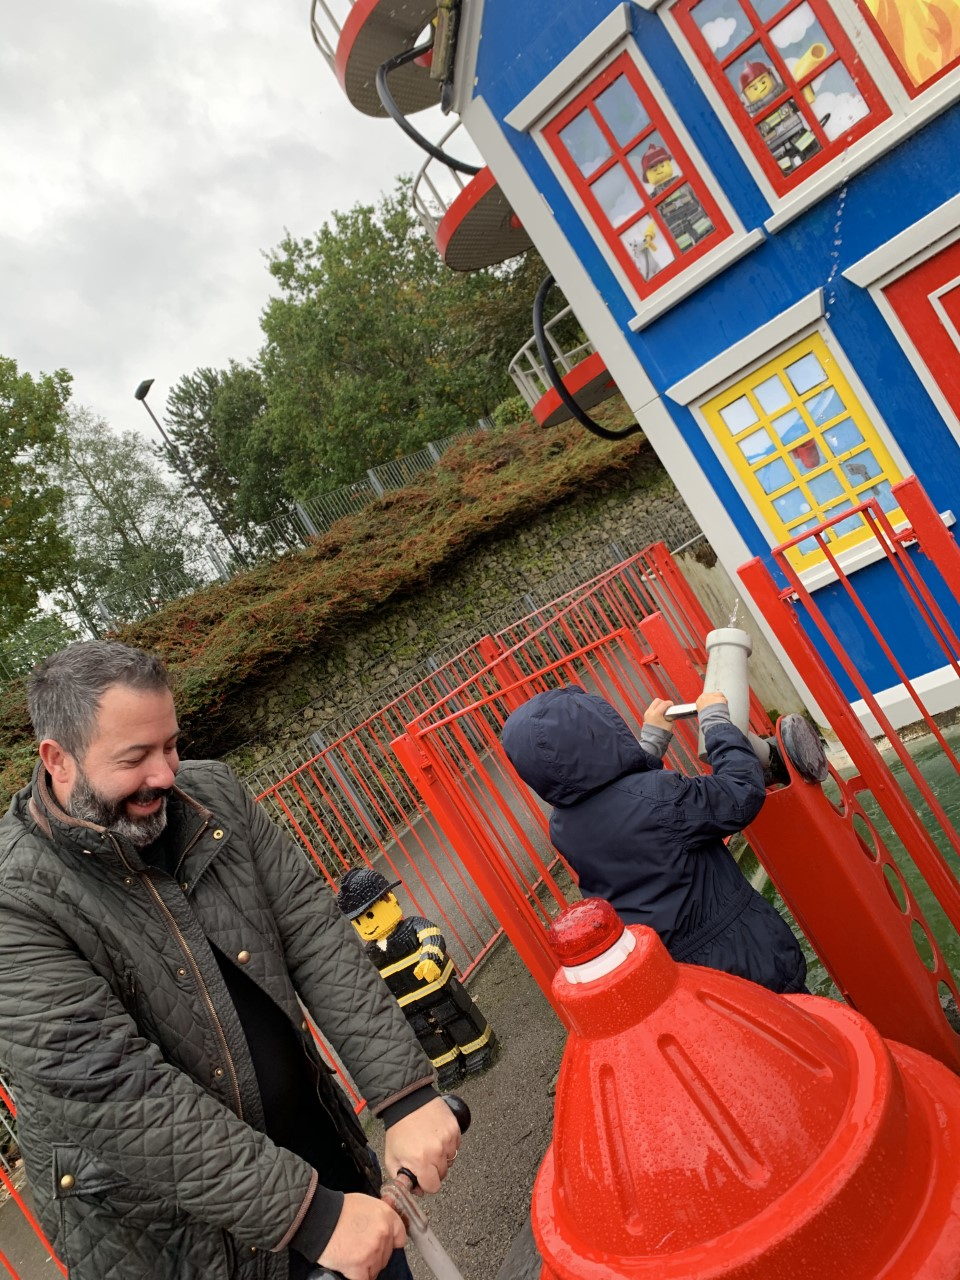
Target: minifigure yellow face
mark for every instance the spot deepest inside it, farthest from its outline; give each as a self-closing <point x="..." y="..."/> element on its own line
<point x="380" y="918"/>
<point x="660" y="172"/>
<point x="760" y="88"/>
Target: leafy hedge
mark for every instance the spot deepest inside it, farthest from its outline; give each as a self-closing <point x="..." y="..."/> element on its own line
<point x="233" y="634"/>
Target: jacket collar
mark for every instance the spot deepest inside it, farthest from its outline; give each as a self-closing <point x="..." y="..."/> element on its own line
<point x="186" y="821"/>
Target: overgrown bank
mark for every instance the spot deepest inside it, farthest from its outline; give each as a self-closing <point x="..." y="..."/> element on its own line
<point x="233" y="635"/>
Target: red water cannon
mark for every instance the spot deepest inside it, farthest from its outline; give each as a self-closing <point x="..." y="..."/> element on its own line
<point x="708" y="1129"/>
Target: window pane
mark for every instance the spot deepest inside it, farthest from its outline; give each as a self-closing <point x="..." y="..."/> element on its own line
<point x="622" y="110"/>
<point x="723" y="23"/>
<point x="685" y="218"/>
<point x="755" y="80"/>
<point x="825" y="488"/>
<point x="807" y="456"/>
<point x="853" y="525"/>
<point x="811" y="544"/>
<point x="647" y="246"/>
<point x="584" y="140"/>
<point x="824" y="406"/>
<point x="653" y="164"/>
<point x="739" y="415"/>
<point x="767" y="9"/>
<point x="772" y="395"/>
<point x="837" y="102"/>
<point x="883" y="494"/>
<point x="861" y="468"/>
<point x="843" y="436"/>
<point x="774" y="475"/>
<point x="617" y="195"/>
<point x="756" y="446"/>
<point x="792" y="506"/>
<point x="790" y="426"/>
<point x="801" y="41"/>
<point x="806" y="373"/>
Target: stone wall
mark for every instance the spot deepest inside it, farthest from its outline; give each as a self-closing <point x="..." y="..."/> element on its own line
<point x="330" y="691"/>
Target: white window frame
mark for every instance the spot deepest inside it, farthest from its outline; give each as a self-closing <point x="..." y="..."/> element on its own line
<point x="565" y="82"/>
<point x="907" y="114"/>
<point x="756" y="349"/>
<point x="910" y="248"/>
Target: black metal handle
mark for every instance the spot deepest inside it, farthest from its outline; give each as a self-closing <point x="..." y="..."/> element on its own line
<point x="461" y="1113"/>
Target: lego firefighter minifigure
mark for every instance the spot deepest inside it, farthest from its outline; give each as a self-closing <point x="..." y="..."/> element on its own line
<point x="682" y="211"/>
<point x="410" y="953"/>
<point x="788" y="136"/>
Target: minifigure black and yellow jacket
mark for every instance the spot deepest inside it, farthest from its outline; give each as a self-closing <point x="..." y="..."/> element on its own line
<point x="414" y="939"/>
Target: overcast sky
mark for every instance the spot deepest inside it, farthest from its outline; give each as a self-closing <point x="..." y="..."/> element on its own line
<point x="151" y="151"/>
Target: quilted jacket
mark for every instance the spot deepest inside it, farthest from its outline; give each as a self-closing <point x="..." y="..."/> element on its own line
<point x="138" y="1107"/>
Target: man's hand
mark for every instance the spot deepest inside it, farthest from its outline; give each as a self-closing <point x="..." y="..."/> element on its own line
<point x="654" y="714"/>
<point x="425" y="1142"/>
<point x="427" y="971"/>
<point x="366" y="1234"/>
<point x="710" y="699"/>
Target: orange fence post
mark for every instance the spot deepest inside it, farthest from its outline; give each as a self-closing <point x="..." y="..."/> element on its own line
<point x="514" y="912"/>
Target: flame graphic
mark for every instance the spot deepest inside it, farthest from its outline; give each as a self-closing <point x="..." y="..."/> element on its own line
<point x="923" y="34"/>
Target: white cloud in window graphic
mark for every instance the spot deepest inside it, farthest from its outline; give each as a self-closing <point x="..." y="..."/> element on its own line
<point x="794" y="27"/>
<point x="839" y="112"/>
<point x="718" y="33"/>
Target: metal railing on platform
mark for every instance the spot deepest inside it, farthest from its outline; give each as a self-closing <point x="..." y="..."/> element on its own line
<point x="526" y="367"/>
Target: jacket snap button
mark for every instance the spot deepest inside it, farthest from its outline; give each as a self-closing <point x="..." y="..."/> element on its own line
<point x="243" y="957"/>
<point x="253" y="1248"/>
<point x="218" y="1072"/>
<point x="303" y="1026"/>
<point x="185" y="886"/>
<point x="218" y="834"/>
<point x="181" y="972"/>
<point x="68" y="1182"/>
<point x="128" y="880"/>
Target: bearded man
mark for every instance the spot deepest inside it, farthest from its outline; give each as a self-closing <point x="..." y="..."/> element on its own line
<point x="159" y="941"/>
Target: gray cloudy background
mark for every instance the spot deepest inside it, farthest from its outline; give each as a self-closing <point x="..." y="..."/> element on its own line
<point x="151" y="151"/>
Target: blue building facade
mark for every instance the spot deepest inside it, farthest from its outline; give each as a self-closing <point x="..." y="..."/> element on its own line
<point x="753" y="207"/>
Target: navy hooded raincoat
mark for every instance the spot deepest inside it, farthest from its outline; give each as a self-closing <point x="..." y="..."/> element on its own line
<point x="650" y="840"/>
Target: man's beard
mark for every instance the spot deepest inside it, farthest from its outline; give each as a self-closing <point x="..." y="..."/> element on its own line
<point x="88" y="805"/>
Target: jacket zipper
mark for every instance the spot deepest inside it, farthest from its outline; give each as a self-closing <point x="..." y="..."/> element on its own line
<point x="198" y="977"/>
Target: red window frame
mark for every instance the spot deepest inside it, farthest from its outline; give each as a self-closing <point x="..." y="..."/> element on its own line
<point x="717" y="67"/>
<point x="913" y="89"/>
<point x="624" y="65"/>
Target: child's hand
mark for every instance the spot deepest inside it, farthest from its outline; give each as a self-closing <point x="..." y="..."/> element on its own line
<point x="654" y="714"/>
<point x="710" y="700"/>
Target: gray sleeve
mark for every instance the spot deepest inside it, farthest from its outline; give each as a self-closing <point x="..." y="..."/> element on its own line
<point x="655" y="740"/>
<point x="715" y="713"/>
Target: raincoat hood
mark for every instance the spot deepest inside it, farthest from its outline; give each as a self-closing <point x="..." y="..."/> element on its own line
<point x="567" y="743"/>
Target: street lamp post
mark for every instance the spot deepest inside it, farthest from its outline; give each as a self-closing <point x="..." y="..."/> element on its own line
<point x="141" y="395"/>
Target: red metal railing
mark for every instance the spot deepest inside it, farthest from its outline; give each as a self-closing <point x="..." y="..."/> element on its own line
<point x="8" y="1185"/>
<point x="779" y="607"/>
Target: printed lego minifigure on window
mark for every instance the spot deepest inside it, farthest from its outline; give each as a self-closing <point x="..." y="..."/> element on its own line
<point x="787" y="135"/>
<point x="649" y="256"/>
<point x="681" y="211"/>
<point x="410" y="953"/>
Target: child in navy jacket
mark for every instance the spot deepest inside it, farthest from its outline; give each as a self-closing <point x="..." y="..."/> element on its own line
<point x="650" y="840"/>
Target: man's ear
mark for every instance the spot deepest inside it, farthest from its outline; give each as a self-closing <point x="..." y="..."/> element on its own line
<point x="57" y="762"/>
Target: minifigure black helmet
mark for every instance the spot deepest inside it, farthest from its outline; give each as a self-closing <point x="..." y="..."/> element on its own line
<point x="361" y="888"/>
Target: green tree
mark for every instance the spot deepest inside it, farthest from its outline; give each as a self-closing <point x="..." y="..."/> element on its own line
<point x="138" y="540"/>
<point x="36" y="638"/>
<point x="212" y="415"/>
<point x="372" y="348"/>
<point x="33" y="542"/>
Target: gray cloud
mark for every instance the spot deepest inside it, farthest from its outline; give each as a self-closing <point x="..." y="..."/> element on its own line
<point x="153" y="149"/>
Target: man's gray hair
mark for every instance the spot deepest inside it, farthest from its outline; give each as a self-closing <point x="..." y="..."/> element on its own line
<point x="65" y="689"/>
